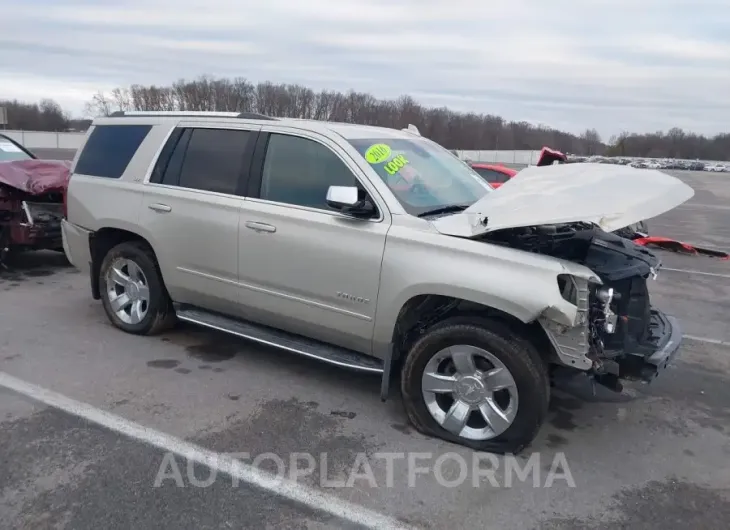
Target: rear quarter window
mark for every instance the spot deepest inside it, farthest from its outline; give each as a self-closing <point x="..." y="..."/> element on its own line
<point x="109" y="149"/>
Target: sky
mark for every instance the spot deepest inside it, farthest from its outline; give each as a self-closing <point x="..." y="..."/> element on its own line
<point x="612" y="65"/>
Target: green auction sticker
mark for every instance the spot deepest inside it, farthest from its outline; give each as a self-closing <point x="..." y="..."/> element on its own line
<point x="377" y="153"/>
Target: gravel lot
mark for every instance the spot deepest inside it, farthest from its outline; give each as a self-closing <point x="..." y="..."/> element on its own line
<point x="654" y="457"/>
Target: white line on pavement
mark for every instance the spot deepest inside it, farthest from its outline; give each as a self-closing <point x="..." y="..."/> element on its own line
<point x="716" y="274"/>
<point x="282" y="487"/>
<point x="707" y="340"/>
<point x="704" y="206"/>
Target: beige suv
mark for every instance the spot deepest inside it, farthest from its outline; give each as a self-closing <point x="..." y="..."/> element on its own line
<point x="376" y="250"/>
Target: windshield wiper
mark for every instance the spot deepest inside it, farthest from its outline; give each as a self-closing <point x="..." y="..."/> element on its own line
<point x="452" y="208"/>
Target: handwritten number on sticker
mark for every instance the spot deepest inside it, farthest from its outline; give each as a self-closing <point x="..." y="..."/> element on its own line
<point x="394" y="165"/>
<point x="377" y="153"/>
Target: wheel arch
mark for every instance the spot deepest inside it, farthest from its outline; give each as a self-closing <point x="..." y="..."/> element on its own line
<point x="101" y="242"/>
<point x="420" y="312"/>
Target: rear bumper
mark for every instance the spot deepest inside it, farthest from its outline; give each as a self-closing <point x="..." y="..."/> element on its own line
<point x="656" y="352"/>
<point x="76" y="245"/>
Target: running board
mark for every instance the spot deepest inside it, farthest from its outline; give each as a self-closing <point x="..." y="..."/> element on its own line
<point x="280" y="339"/>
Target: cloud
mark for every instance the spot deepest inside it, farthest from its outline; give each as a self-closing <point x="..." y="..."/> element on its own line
<point x="683" y="48"/>
<point x="641" y="65"/>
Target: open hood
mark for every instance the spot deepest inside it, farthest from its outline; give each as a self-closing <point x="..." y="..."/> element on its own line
<point x="608" y="195"/>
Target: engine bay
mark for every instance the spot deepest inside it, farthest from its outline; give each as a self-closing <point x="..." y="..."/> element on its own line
<point x="619" y="311"/>
<point x="610" y="256"/>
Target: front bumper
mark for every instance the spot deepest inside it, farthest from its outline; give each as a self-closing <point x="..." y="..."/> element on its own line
<point x="38" y="236"/>
<point x="657" y="351"/>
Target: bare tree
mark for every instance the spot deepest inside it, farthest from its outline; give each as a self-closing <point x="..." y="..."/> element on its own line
<point x="121" y="99"/>
<point x="592" y="142"/>
<point x="100" y="105"/>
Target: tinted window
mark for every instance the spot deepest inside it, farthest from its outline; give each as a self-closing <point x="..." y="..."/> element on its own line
<point x="213" y="160"/>
<point x="299" y="171"/>
<point x="163" y="161"/>
<point x="171" y="174"/>
<point x="492" y="176"/>
<point x="109" y="149"/>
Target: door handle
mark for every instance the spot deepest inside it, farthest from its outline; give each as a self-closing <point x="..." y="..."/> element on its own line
<point x="162" y="208"/>
<point x="260" y="227"/>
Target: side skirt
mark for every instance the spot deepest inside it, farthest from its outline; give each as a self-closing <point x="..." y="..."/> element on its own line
<point x="283" y="340"/>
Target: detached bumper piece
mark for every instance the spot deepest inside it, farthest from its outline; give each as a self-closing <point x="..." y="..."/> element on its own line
<point x="657" y="351"/>
<point x="41" y="226"/>
<point x="678" y="246"/>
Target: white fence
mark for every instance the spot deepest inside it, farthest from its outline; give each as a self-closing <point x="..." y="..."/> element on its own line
<point x="46" y="140"/>
<point x="524" y="158"/>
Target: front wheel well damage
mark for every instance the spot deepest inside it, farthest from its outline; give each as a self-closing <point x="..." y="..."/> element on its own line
<point x="100" y="243"/>
<point x="423" y="311"/>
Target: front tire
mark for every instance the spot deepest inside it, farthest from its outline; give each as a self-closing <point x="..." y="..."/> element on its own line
<point x="477" y="383"/>
<point x="132" y="291"/>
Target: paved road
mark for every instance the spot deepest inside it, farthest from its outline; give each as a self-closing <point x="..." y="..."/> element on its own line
<point x="59" y="471"/>
<point x="653" y="457"/>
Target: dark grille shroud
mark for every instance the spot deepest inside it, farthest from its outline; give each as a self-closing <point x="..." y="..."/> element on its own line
<point x="610" y="256"/>
<point x="634" y="311"/>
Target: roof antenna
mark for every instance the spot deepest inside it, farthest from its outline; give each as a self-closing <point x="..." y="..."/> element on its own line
<point x="412" y="129"/>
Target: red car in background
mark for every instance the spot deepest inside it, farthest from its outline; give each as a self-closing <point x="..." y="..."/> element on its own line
<point x="497" y="175"/>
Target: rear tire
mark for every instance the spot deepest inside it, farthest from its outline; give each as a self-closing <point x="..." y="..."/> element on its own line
<point x="130" y="269"/>
<point x="503" y="359"/>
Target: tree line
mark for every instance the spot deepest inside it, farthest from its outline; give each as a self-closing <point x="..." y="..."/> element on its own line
<point x="675" y="143"/>
<point x="453" y="130"/>
<point x="47" y="115"/>
<point x="44" y="116"/>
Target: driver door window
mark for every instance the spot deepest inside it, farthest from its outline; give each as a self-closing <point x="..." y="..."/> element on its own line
<point x="299" y="171"/>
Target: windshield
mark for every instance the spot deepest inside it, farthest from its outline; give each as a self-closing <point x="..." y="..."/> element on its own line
<point x="422" y="175"/>
<point x="10" y="151"/>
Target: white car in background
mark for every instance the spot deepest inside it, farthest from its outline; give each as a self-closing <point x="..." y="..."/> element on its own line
<point x="719" y="168"/>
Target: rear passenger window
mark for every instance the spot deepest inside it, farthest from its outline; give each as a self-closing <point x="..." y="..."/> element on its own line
<point x="109" y="149"/>
<point x="299" y="171"/>
<point x="214" y="160"/>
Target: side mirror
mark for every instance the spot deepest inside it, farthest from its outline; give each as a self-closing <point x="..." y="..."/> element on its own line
<point x="350" y="201"/>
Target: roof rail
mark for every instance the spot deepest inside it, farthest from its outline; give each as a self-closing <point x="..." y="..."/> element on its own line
<point x="189" y="114"/>
<point x="254" y="116"/>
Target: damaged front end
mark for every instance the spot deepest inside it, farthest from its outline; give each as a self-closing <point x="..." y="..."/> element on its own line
<point x="616" y="334"/>
<point x="32" y="205"/>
